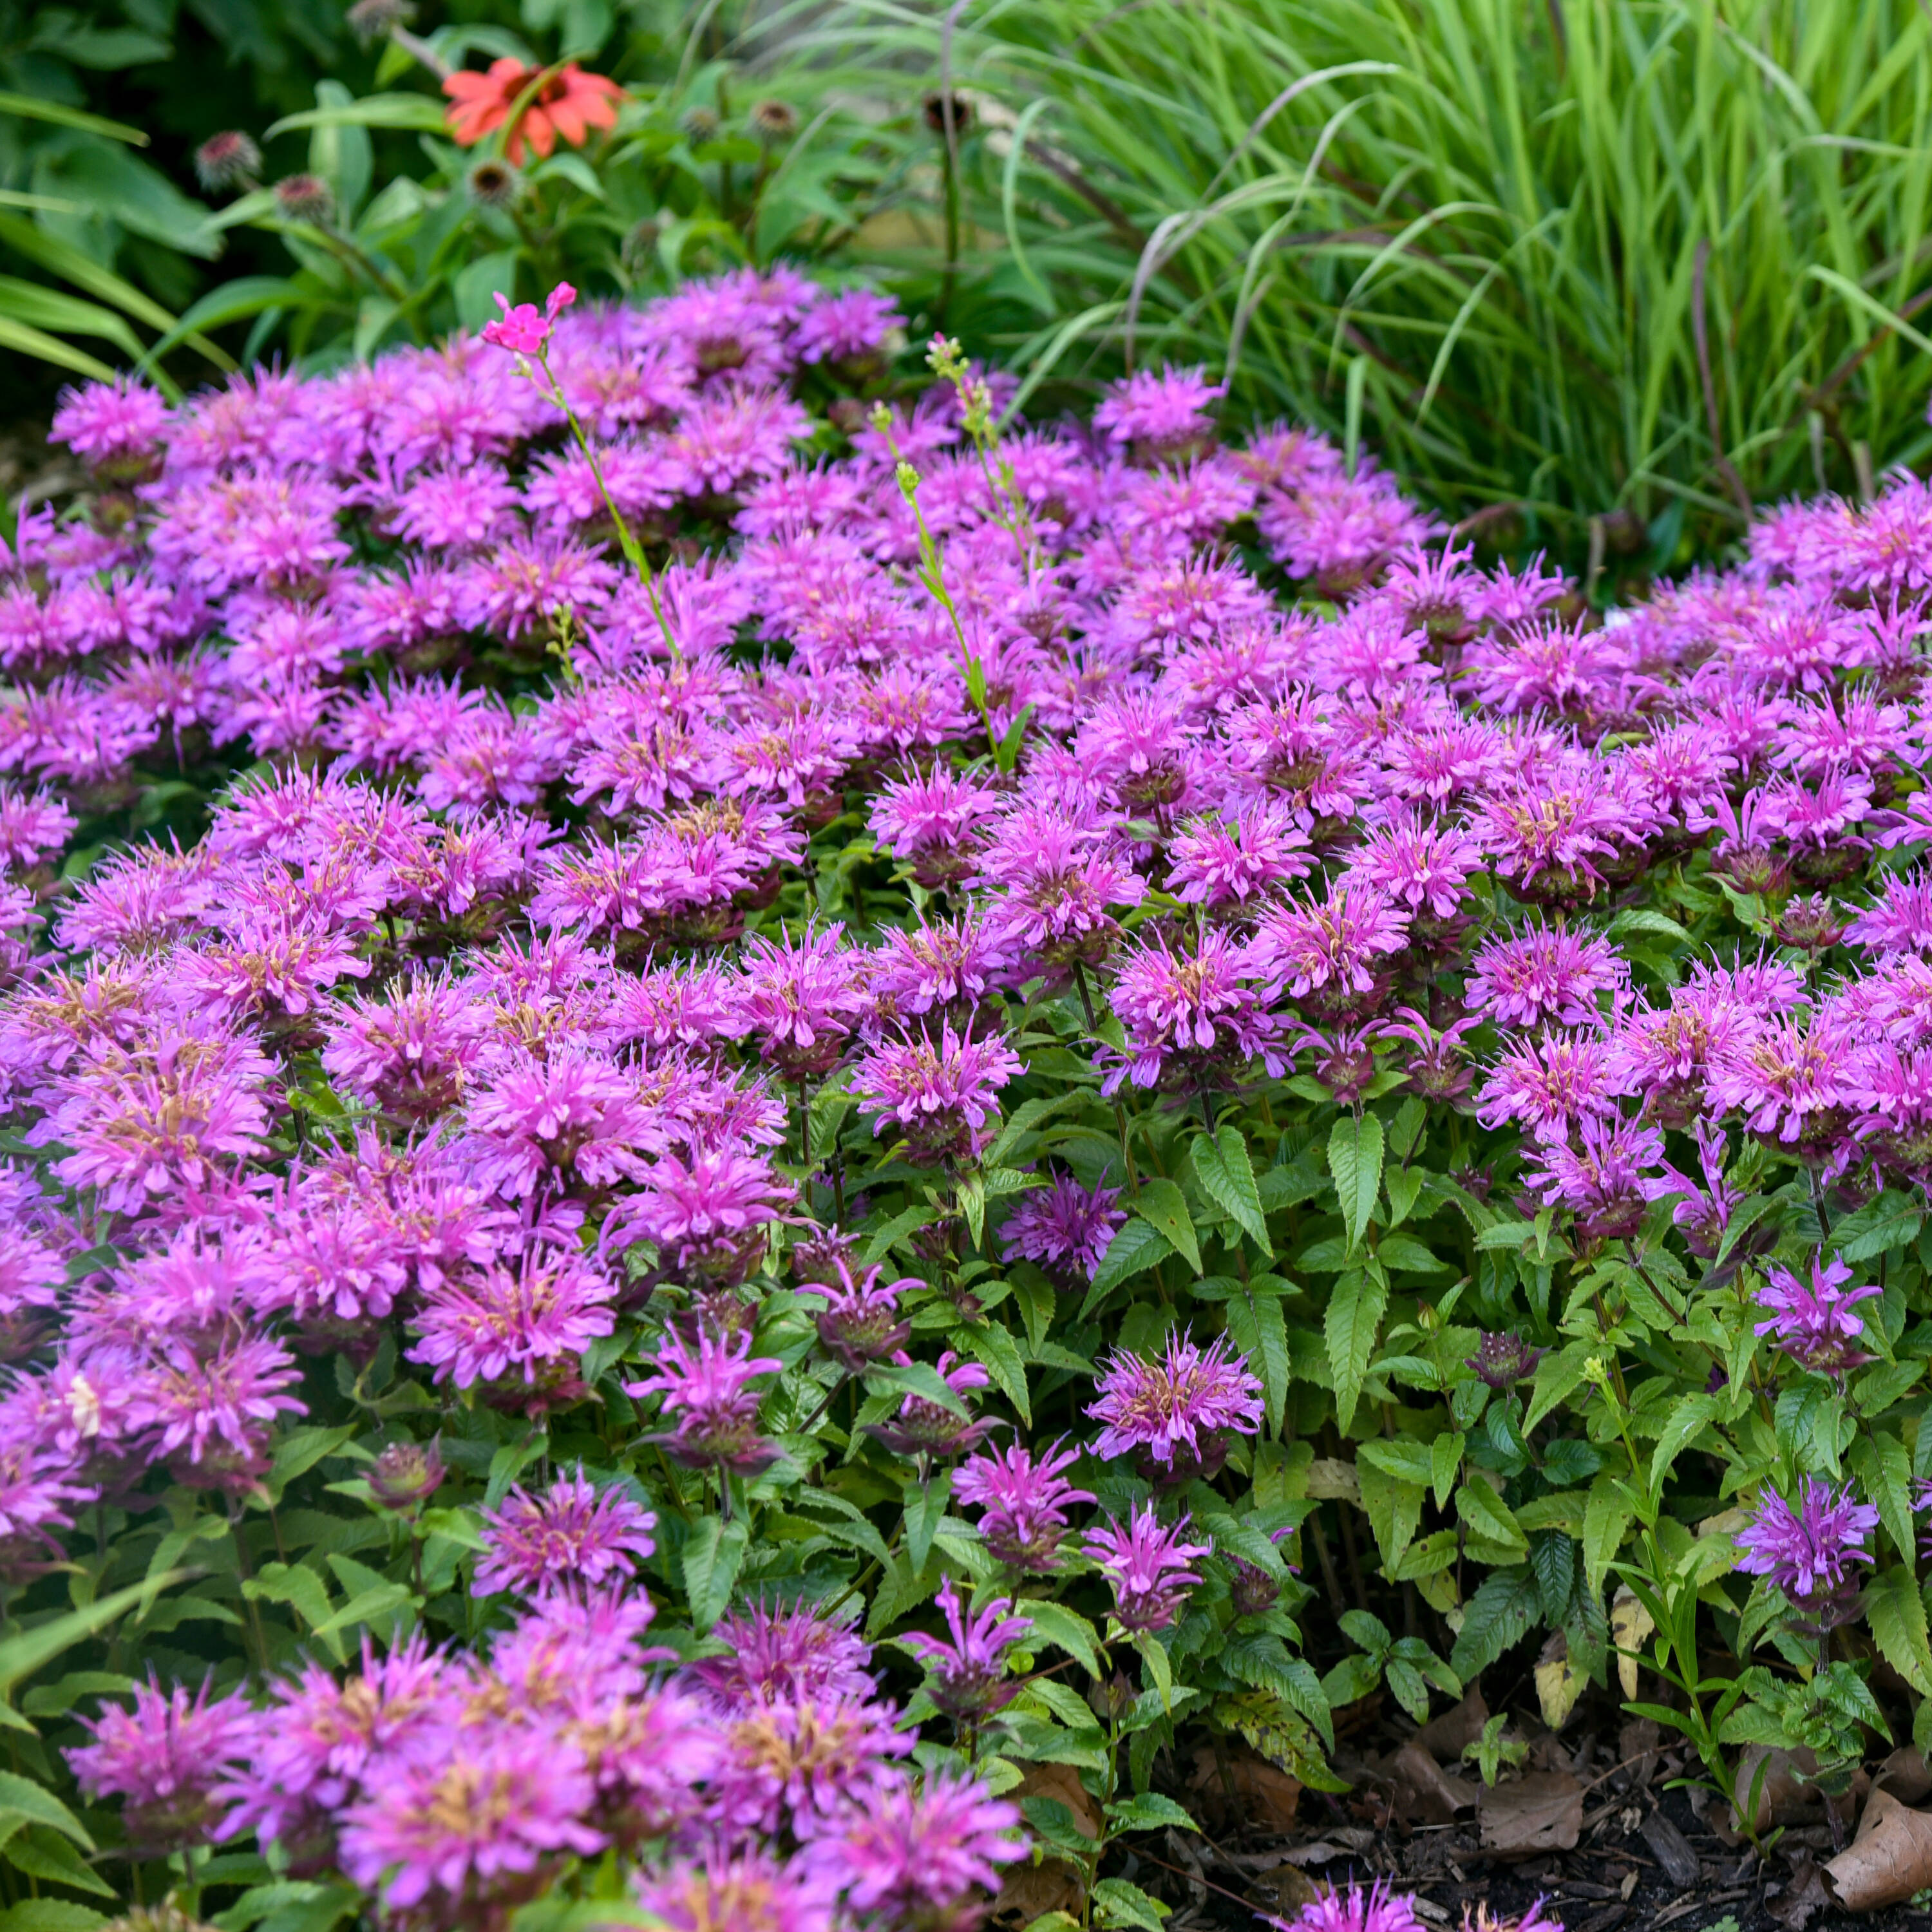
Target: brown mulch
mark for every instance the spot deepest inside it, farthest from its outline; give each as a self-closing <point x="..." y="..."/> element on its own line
<point x="1649" y="1851"/>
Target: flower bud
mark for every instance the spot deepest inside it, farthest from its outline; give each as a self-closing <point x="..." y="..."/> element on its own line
<point x="406" y="1475"/>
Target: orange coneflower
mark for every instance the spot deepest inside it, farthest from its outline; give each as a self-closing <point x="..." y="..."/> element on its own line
<point x="546" y="101"/>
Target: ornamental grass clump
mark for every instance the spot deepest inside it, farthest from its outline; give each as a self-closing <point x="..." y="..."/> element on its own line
<point x="733" y="1104"/>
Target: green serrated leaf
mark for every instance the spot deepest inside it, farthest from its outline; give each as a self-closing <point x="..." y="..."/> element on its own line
<point x="1499" y="1615"/>
<point x="1350" y="1326"/>
<point x="1896" y="1613"/>
<point x="1259" y="1329"/>
<point x="712" y="1553"/>
<point x="1227" y="1177"/>
<point x="1355" y="1160"/>
<point x="1137" y="1245"/>
<point x="1490" y="1516"/>
<point x="1162" y="1204"/>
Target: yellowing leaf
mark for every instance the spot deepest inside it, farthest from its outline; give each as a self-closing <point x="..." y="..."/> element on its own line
<point x="1630" y="1623"/>
<point x="1558" y="1683"/>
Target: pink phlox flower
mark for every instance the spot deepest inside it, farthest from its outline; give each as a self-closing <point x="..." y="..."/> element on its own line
<point x="524" y="328"/>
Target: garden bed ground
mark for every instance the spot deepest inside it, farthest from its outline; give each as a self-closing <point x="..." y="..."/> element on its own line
<point x="1647" y="1855"/>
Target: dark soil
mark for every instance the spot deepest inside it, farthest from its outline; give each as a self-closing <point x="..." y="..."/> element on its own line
<point x="1648" y="1854"/>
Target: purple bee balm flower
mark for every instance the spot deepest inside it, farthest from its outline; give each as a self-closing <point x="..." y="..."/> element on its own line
<point x="1376" y="1909"/>
<point x="860" y="1322"/>
<point x="1177" y="1411"/>
<point x="846" y="327"/>
<point x="1191" y="1019"/>
<point x="489" y="1805"/>
<point x="1232" y="859"/>
<point x="938" y="1093"/>
<point x="923" y="1427"/>
<point x="966" y="1677"/>
<point x="1325" y="952"/>
<point x="1162" y="414"/>
<point x="1545" y="1083"/>
<point x="1812" y="1321"/>
<point x="747" y="1892"/>
<point x="915" y="1855"/>
<point x="573" y="1535"/>
<point x="1547" y="973"/>
<point x="214" y="1411"/>
<point x="1066" y="1227"/>
<point x="1147" y="1564"/>
<point x="528" y="1323"/>
<point x="708" y="1215"/>
<point x="784" y="1656"/>
<point x="802" y="997"/>
<point x="163" y="1760"/>
<point x="1705" y="1212"/>
<point x="705" y="1391"/>
<point x="1057" y="883"/>
<point x="1601" y="1176"/>
<point x="116" y="427"/>
<point x="806" y="1765"/>
<point x="1808" y="1551"/>
<point x="1025" y="1502"/>
<point x="570" y="1118"/>
<point x="311" y="1748"/>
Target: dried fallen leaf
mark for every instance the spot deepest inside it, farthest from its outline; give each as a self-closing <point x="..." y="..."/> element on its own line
<point x="1630" y="1623"/>
<point x="1889" y="1860"/>
<point x="1637" y="1745"/>
<point x="1443" y="1738"/>
<point x="1905" y="1775"/>
<point x="1425" y="1794"/>
<point x="1785" y="1793"/>
<point x="1801" y="1899"/>
<point x="1542" y="1812"/>
<point x="1559" y="1682"/>
<point x="1251" y="1791"/>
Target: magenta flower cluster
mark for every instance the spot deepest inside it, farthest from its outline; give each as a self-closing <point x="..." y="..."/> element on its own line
<point x="716" y="899"/>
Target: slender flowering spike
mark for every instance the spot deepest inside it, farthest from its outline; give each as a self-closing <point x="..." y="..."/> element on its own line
<point x="1812" y="1321"/>
<point x="1025" y="1500"/>
<point x="572" y="1535"/>
<point x="524" y="328"/>
<point x="1808" y="1551"/>
<point x="1178" y="1410"/>
<point x="1148" y="1566"/>
<point x="967" y="1677"/>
